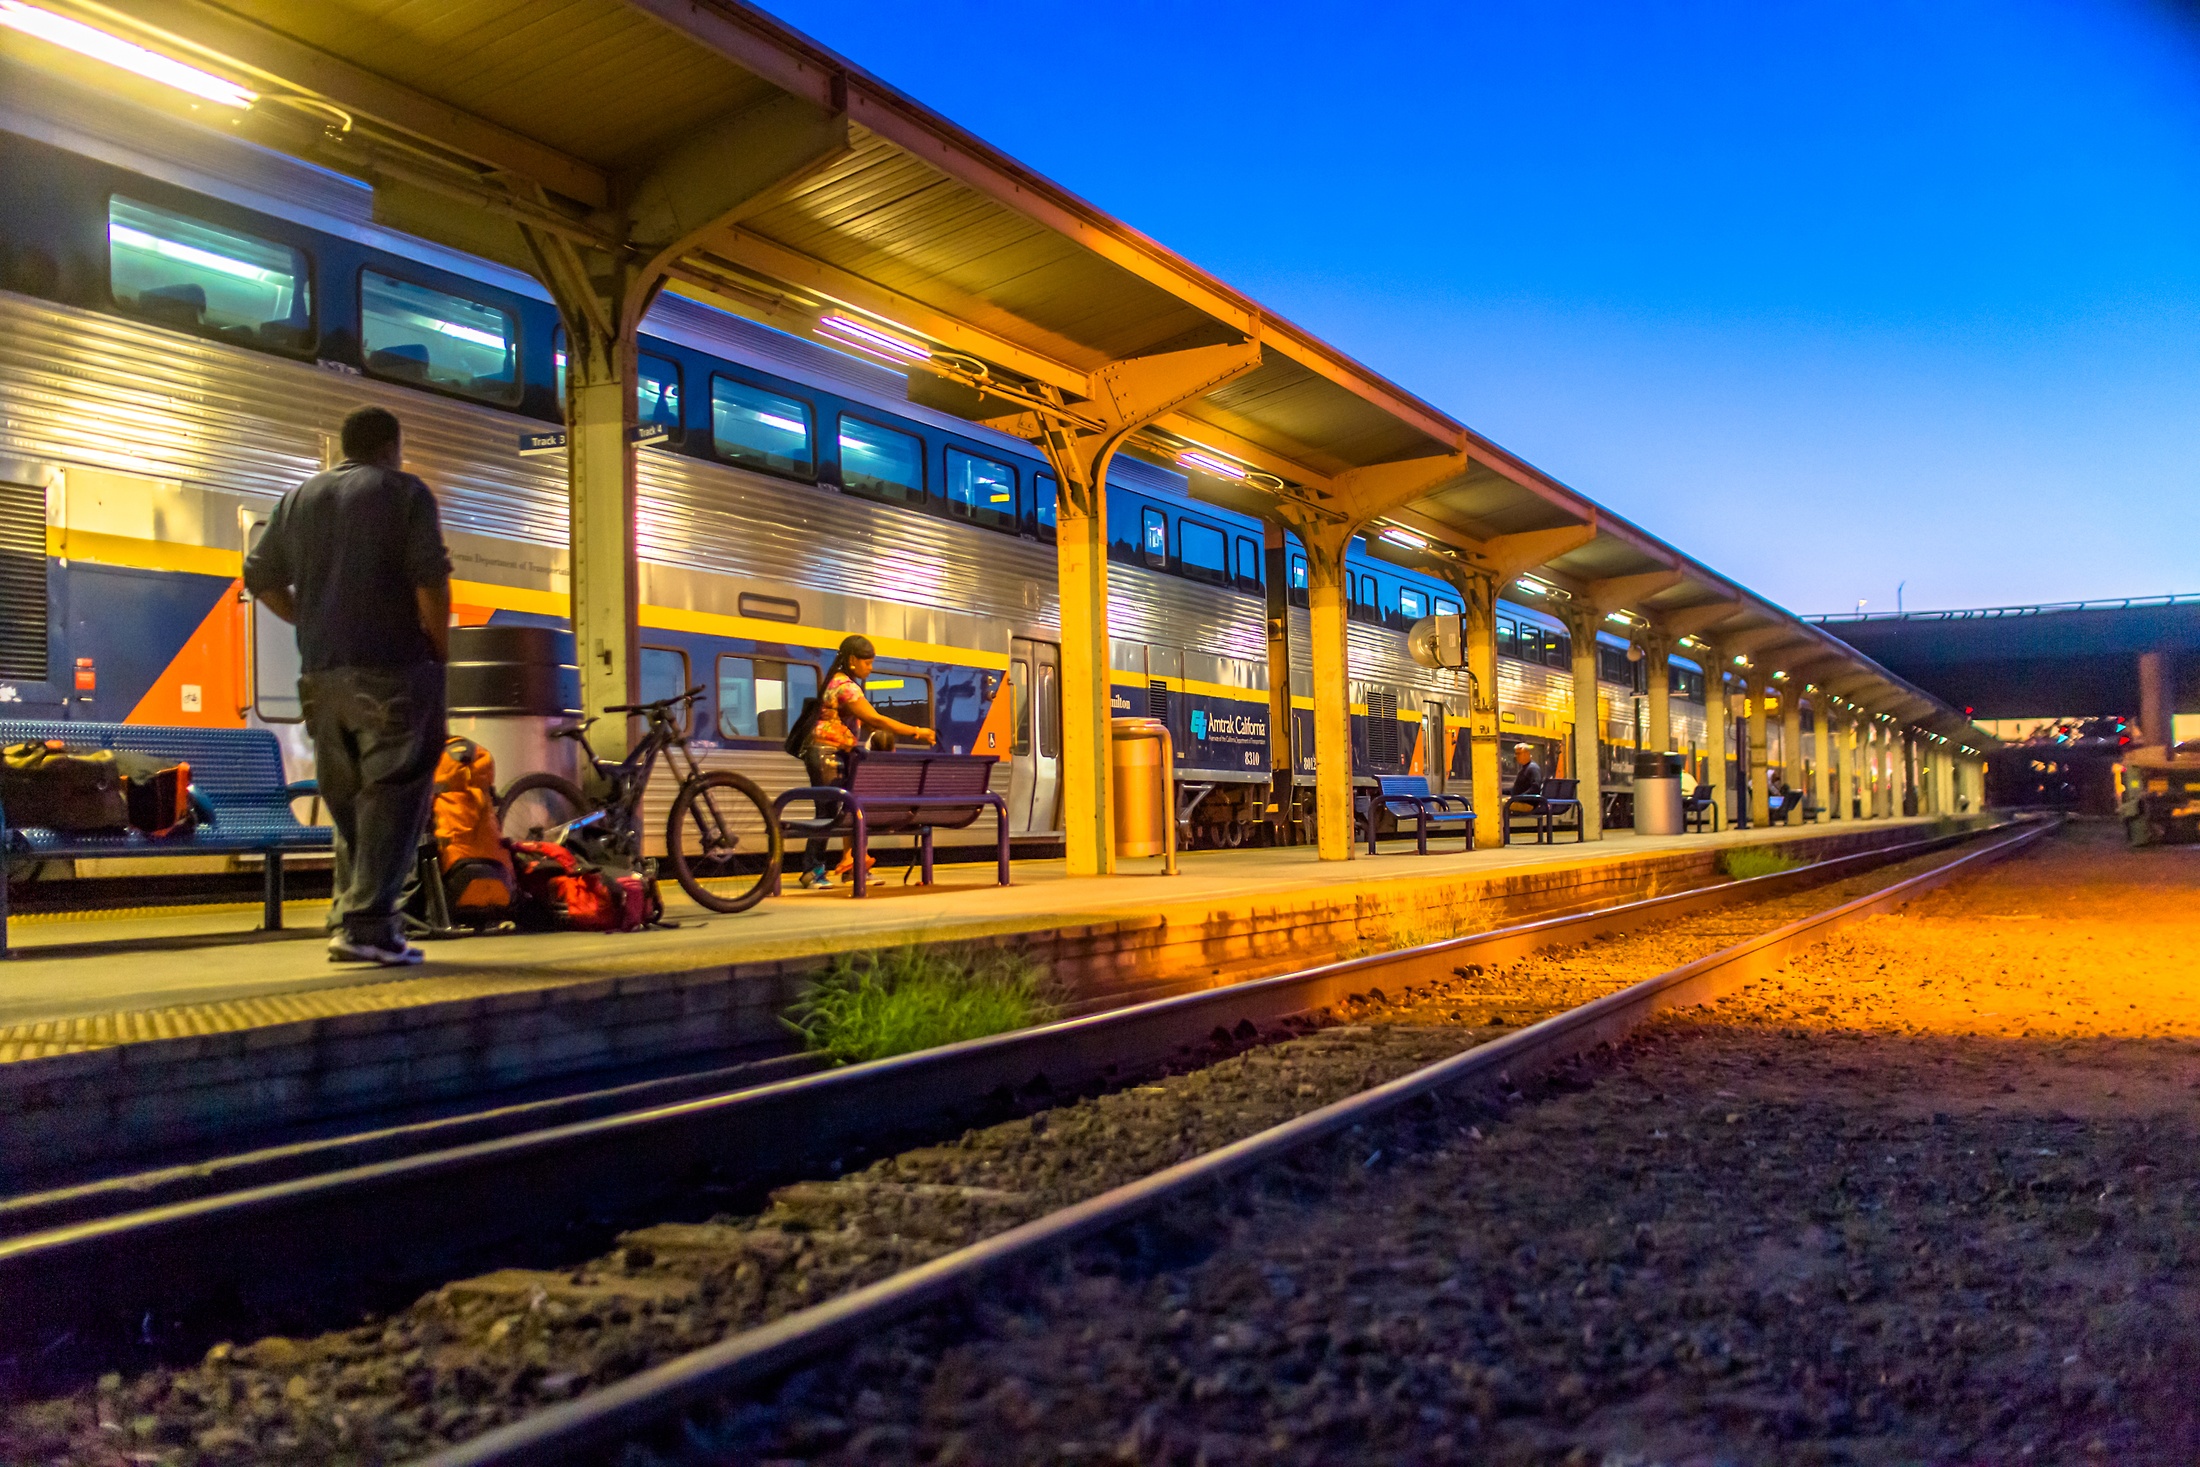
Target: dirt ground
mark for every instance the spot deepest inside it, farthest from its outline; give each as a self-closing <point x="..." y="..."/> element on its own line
<point x="1929" y="1196"/>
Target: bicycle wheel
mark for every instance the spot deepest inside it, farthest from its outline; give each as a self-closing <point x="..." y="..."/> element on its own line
<point x="537" y="804"/>
<point x="721" y="841"/>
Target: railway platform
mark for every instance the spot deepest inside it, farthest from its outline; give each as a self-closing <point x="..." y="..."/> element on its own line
<point x="125" y="1034"/>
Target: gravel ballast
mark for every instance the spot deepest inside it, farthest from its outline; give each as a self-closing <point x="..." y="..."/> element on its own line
<point x="486" y="1350"/>
<point x="1930" y="1195"/>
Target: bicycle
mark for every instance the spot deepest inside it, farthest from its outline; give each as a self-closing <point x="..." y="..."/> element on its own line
<point x="720" y="829"/>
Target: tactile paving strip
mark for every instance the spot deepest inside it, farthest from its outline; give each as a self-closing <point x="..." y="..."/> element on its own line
<point x="103" y="1031"/>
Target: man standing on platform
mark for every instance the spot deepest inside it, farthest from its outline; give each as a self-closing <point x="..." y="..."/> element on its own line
<point x="354" y="558"/>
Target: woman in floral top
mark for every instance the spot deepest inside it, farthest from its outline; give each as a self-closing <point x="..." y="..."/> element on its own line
<point x="843" y="712"/>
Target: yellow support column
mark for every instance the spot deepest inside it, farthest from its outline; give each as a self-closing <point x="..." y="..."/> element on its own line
<point x="1081" y="570"/>
<point x="1753" y="774"/>
<point x="1717" y="729"/>
<point x="1581" y="627"/>
<point x="1486" y="754"/>
<point x="1822" y="756"/>
<point x="1080" y="440"/>
<point x="1658" y="679"/>
<point x="1327" y="605"/>
<point x="601" y="483"/>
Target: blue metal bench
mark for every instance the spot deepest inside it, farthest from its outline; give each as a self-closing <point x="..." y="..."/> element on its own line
<point x="237" y="790"/>
<point x="1548" y="807"/>
<point x="902" y="792"/>
<point x="1407" y="796"/>
<point x="1699" y="808"/>
<point x="1786" y="803"/>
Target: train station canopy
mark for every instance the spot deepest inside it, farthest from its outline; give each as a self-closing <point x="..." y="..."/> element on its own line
<point x="746" y="165"/>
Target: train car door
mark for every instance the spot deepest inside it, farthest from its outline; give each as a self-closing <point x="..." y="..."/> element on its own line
<point x="1035" y="748"/>
<point x="1434" y="755"/>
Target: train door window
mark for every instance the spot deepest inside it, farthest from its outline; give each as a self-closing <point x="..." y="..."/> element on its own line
<point x="1202" y="551"/>
<point x="1153" y="530"/>
<point x="1412" y="605"/>
<point x="1445" y="606"/>
<point x="1558" y="649"/>
<point x="415" y="333"/>
<point x="1019" y="707"/>
<point x="1050" y="709"/>
<point x="881" y="462"/>
<point x="1043" y="507"/>
<point x="664" y="674"/>
<point x="1297" y="587"/>
<point x="1508" y="638"/>
<point x="275" y="660"/>
<point x="757" y="695"/>
<point x="760" y="429"/>
<point x="980" y="490"/>
<point x="1249" y="577"/>
<point x="905" y="697"/>
<point x="195" y="276"/>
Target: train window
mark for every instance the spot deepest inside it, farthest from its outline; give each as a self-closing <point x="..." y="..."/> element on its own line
<point x="415" y="333"/>
<point x="1558" y="649"/>
<point x="1508" y="638"/>
<point x="1297" y="589"/>
<point x="1412" y="605"/>
<point x="757" y="695"/>
<point x="664" y="674"/>
<point x="198" y="277"/>
<point x="980" y="490"/>
<point x="1249" y="577"/>
<point x="1050" y="710"/>
<point x="1202" y="551"/>
<point x="903" y="696"/>
<point x="1445" y="606"/>
<point x="760" y="429"/>
<point x="656" y="385"/>
<point x="881" y="462"/>
<point x="1042" y="504"/>
<point x="1154" y="537"/>
<point x="1019" y="707"/>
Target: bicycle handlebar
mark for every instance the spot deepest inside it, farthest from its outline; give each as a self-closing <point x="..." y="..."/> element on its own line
<point x="664" y="703"/>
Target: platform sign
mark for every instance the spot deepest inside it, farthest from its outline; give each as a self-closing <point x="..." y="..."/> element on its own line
<point x="541" y="445"/>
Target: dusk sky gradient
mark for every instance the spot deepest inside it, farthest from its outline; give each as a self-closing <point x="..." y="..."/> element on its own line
<point x="1832" y="297"/>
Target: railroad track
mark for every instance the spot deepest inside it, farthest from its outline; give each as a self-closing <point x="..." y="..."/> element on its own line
<point x="323" y="1246"/>
<point x="649" y="1403"/>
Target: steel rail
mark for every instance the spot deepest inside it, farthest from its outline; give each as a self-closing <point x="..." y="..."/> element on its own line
<point x="288" y="1256"/>
<point x="646" y="1400"/>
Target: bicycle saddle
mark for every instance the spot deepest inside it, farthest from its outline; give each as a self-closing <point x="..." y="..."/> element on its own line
<point x="573" y="730"/>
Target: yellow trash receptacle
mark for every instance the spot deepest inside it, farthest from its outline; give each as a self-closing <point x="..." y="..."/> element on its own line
<point x="1145" y="780"/>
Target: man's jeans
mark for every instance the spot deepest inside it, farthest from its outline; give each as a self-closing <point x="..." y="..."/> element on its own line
<point x="377" y="734"/>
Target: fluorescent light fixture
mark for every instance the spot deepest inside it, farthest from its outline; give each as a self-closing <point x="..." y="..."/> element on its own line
<point x="1221" y="468"/>
<point x="866" y="337"/>
<point x="467" y="333"/>
<point x="74" y="35"/>
<point x="138" y="239"/>
<point x="1398" y="536"/>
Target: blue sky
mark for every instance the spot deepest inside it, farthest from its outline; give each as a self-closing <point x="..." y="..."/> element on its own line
<point x="1835" y="297"/>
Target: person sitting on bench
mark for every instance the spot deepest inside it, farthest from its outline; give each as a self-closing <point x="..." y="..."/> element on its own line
<point x="1527" y="786"/>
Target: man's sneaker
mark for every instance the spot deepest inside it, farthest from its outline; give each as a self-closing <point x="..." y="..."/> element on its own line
<point x="387" y="952"/>
<point x="817" y="879"/>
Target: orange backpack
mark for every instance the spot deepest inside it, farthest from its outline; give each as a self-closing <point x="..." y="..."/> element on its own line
<point x="477" y="869"/>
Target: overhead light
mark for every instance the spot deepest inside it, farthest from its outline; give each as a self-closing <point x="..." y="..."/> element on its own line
<point x="1398" y="536"/>
<point x="74" y="35"/>
<point x="1192" y="458"/>
<point x="865" y="337"/>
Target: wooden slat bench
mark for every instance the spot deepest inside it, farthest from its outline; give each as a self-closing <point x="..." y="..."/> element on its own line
<point x="237" y="789"/>
<point x="905" y="792"/>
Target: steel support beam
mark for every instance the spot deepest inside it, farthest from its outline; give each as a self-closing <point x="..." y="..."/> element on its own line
<point x="1588" y="752"/>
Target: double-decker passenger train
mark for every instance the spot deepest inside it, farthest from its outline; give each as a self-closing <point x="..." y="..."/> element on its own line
<point x="184" y="319"/>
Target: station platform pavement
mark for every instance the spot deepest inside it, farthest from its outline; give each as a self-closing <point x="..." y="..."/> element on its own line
<point x="98" y="1008"/>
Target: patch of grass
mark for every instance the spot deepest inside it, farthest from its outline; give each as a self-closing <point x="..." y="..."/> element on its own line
<point x="1748" y="861"/>
<point x="870" y="1005"/>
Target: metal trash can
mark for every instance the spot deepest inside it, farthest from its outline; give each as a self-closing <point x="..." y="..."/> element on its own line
<point x="1145" y="789"/>
<point x="509" y="686"/>
<point x="1658" y="794"/>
